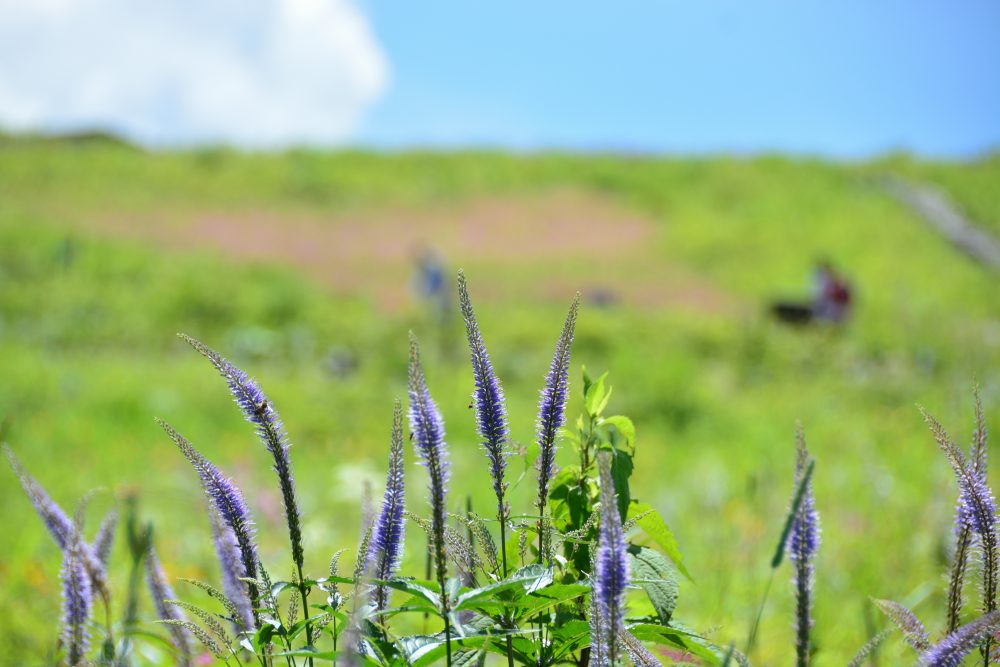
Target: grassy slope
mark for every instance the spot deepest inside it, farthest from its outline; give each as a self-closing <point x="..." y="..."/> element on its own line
<point x="88" y="357"/>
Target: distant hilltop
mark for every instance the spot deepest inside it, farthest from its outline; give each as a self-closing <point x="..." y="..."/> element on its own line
<point x="76" y="137"/>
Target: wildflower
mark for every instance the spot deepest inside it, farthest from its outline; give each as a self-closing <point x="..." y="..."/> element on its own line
<point x="77" y="601"/>
<point x="105" y="539"/>
<point x="259" y="411"/>
<point x="803" y="543"/>
<point x="951" y="651"/>
<point x="637" y="653"/>
<point x="428" y="437"/>
<point x="611" y="575"/>
<point x="491" y="412"/>
<point x="228" y="501"/>
<point x="233" y="572"/>
<point x="60" y="526"/>
<point x="907" y="622"/>
<point x="963" y="532"/>
<point x="552" y="410"/>
<point x="386" y="548"/>
<point x="161" y="591"/>
<point x="599" y="653"/>
<point x="976" y="507"/>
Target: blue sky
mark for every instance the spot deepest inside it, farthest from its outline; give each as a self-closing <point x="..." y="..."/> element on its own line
<point x="849" y="78"/>
<point x="843" y="78"/>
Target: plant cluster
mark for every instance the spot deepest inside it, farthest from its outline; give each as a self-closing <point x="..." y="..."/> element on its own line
<point x="975" y="540"/>
<point x="543" y="587"/>
<point x="587" y="576"/>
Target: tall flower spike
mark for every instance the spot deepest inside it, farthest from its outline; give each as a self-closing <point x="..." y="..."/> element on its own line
<point x="951" y="651"/>
<point x="978" y="454"/>
<point x="637" y="653"/>
<point x="105" y="539"/>
<point x="56" y="520"/>
<point x="599" y="656"/>
<point x="59" y="524"/>
<point x="491" y="412"/>
<point x="386" y="549"/>
<point x="161" y="591"/>
<point x="77" y="601"/>
<point x="803" y="543"/>
<point x="963" y="534"/>
<point x="228" y="501"/>
<point x="428" y="437"/>
<point x="907" y="622"/>
<point x="976" y="509"/>
<point x="259" y="411"/>
<point x="611" y="566"/>
<point x="232" y="572"/>
<point x="552" y="408"/>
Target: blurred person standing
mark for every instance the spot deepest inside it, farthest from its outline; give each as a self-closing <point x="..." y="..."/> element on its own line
<point x="433" y="283"/>
<point x="832" y="297"/>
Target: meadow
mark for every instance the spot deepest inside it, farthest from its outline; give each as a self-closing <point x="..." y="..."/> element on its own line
<point x="284" y="261"/>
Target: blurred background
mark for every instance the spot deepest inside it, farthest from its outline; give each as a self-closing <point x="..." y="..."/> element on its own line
<point x="775" y="212"/>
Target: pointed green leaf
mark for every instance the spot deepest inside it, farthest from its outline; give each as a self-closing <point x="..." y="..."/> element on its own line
<point x="653" y="573"/>
<point x="656" y="528"/>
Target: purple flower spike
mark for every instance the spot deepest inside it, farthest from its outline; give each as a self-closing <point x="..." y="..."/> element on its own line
<point x="428" y="438"/>
<point x="228" y="501"/>
<point x="611" y="567"/>
<point x="491" y="412"/>
<point x="259" y="411"/>
<point x="599" y="656"/>
<point x="978" y="453"/>
<point x="386" y="550"/>
<point x="951" y="651"/>
<point x="59" y="524"/>
<point x="552" y="406"/>
<point x="227" y="549"/>
<point x="803" y="543"/>
<point x="105" y="539"/>
<point x="77" y="602"/>
<point x="161" y="591"/>
<point x="56" y="520"/>
<point x="907" y="622"/>
<point x="976" y="510"/>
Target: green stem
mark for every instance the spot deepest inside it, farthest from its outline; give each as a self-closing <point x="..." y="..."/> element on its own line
<point x="503" y="555"/>
<point x="107" y="617"/>
<point x="334" y="641"/>
<point x="304" y="592"/>
<point x="752" y="638"/>
<point x="447" y="639"/>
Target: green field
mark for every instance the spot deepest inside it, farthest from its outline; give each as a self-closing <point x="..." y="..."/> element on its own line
<point x="106" y="252"/>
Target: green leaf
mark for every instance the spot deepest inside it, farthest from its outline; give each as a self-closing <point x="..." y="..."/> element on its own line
<point x="548" y="597"/>
<point x="263" y="636"/>
<point x="800" y="493"/>
<point x="653" y="573"/>
<point x="657" y="529"/>
<point x="569" y="504"/>
<point x="329" y="656"/>
<point x="620" y="431"/>
<point x="528" y="579"/>
<point x="596" y="397"/>
<point x="569" y="637"/>
<point x="424" y="590"/>
<point x="422" y="650"/>
<point x="280" y="586"/>
<point x="675" y="638"/>
<point x="621" y="471"/>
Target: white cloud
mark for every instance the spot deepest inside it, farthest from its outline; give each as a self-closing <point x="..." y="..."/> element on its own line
<point x="262" y="73"/>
